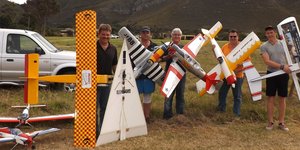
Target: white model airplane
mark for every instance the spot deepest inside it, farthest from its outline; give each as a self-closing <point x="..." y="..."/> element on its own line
<point x="17" y="136"/>
<point x="25" y="119"/>
<point x="227" y="64"/>
<point x="145" y="61"/>
<point x="289" y="32"/>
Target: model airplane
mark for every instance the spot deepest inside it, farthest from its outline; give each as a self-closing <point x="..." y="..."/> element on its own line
<point x="25" y="119"/>
<point x="289" y="32"/>
<point x="237" y="56"/>
<point x="17" y="136"/>
<point x="146" y="62"/>
<point x="229" y="74"/>
<point x="32" y="78"/>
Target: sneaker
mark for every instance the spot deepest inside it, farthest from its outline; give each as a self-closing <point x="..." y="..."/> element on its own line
<point x="270" y="126"/>
<point x="283" y="127"/>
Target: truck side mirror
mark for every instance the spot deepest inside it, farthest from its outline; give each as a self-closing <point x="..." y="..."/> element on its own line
<point x="39" y="50"/>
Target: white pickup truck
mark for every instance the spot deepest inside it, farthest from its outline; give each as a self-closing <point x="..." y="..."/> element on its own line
<point x="15" y="43"/>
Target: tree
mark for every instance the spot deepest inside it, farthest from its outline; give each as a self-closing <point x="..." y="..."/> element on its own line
<point x="40" y="10"/>
<point x="10" y="15"/>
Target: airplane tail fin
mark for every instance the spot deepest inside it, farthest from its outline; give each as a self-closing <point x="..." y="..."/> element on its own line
<point x="208" y="83"/>
<point x="31" y="74"/>
<point x="254" y="86"/>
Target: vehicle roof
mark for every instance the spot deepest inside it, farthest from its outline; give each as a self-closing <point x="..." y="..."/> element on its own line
<point x="16" y="31"/>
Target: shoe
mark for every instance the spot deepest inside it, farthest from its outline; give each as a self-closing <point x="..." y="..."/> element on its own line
<point x="283" y="127"/>
<point x="270" y="126"/>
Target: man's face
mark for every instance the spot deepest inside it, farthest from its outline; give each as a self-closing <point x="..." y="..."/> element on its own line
<point x="270" y="34"/>
<point x="176" y="37"/>
<point x="233" y="37"/>
<point x="104" y="36"/>
<point x="145" y="35"/>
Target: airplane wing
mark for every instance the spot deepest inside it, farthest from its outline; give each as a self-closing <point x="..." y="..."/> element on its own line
<point x="38" y="119"/>
<point x="3" y="140"/>
<point x="175" y="72"/>
<point x="49" y="118"/>
<point x="7" y="137"/>
<point x="255" y="86"/>
<point x="42" y="132"/>
<point x="8" y="120"/>
<point x="194" y="46"/>
<point x="139" y="56"/>
<point x="240" y="53"/>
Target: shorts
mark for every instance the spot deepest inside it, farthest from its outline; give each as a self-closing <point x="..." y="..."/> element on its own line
<point x="277" y="84"/>
<point x="145" y="86"/>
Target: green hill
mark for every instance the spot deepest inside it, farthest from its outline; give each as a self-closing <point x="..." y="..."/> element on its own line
<point x="190" y="15"/>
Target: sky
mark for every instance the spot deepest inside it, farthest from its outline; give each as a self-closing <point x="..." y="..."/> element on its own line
<point x="18" y="1"/>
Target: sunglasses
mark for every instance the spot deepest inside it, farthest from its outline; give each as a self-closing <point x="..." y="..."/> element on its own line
<point x="232" y="36"/>
<point x="145" y="32"/>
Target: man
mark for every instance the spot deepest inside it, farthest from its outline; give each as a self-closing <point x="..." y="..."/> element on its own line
<point x="237" y="90"/>
<point x="273" y="55"/>
<point x="145" y="85"/>
<point x="179" y="90"/>
<point x="106" y="64"/>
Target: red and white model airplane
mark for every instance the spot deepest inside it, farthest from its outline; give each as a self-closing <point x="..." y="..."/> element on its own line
<point x="145" y="61"/>
<point x="227" y="64"/>
<point x="17" y="136"/>
<point x="25" y="119"/>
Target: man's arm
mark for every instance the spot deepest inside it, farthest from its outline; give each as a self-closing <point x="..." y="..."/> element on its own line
<point x="273" y="64"/>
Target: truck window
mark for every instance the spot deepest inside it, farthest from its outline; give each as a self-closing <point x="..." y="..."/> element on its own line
<point x="13" y="44"/>
<point x="20" y="44"/>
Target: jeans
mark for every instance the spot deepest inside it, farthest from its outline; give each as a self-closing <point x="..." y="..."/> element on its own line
<point x="102" y="99"/>
<point x="237" y="96"/>
<point x="179" y="100"/>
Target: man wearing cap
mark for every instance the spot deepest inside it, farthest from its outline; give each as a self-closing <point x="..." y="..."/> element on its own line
<point x="273" y="55"/>
<point x="145" y="85"/>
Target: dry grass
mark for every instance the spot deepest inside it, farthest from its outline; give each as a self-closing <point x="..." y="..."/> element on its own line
<point x="202" y="127"/>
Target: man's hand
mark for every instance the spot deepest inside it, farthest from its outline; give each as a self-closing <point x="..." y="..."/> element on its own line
<point x="286" y="69"/>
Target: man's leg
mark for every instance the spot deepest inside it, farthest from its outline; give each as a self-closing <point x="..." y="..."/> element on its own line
<point x="168" y="107"/>
<point x="104" y="93"/>
<point x="282" y="106"/>
<point x="222" y="96"/>
<point x="237" y="95"/>
<point x="98" y="112"/>
<point x="180" y="96"/>
<point x="147" y="105"/>
<point x="270" y="108"/>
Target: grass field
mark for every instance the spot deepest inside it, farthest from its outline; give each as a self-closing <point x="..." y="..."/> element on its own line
<point x="202" y="127"/>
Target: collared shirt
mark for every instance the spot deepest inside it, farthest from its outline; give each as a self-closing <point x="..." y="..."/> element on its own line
<point x="106" y="59"/>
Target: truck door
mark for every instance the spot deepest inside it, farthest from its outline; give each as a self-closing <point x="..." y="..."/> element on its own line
<point x="13" y="59"/>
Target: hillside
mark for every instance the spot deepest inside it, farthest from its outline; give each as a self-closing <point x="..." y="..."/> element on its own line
<point x="190" y="15"/>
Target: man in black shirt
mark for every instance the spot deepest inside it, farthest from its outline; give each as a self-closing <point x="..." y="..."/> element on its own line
<point x="106" y="64"/>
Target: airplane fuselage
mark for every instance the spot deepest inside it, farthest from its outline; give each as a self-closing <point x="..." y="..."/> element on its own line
<point x="17" y="134"/>
<point x="188" y="62"/>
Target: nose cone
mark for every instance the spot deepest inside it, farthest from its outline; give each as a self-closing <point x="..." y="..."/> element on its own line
<point x="230" y="80"/>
